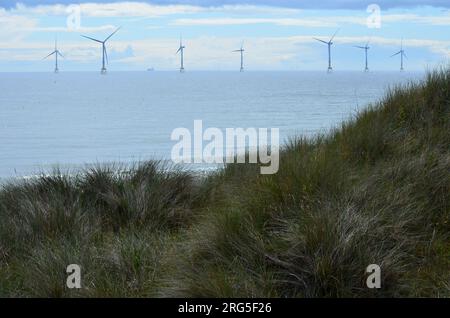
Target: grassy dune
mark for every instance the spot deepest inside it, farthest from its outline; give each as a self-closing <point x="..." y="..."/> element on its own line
<point x="375" y="190"/>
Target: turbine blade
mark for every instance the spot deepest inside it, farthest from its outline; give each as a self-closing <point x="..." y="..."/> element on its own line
<point x="84" y="36"/>
<point x="49" y="55"/>
<point x="179" y="49"/>
<point x="320" y="40"/>
<point x="106" y="55"/>
<point x="334" y="35"/>
<point x="404" y="54"/>
<point x="396" y="53"/>
<point x="360" y="47"/>
<point x="112" y="34"/>
<point x="59" y="53"/>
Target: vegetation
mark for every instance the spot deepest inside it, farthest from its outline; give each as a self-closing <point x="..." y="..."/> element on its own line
<point x="374" y="191"/>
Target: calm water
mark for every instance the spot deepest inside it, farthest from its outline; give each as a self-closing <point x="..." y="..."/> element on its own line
<point x="72" y="119"/>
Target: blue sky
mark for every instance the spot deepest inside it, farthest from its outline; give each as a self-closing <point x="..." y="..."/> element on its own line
<point x="277" y="35"/>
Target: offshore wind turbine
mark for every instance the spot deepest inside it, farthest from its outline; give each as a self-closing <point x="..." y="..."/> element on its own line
<point x="56" y="52"/>
<point x="241" y="50"/>
<point x="402" y="54"/>
<point x="329" y="43"/>
<point x="365" y="48"/>
<point x="181" y="51"/>
<point x="104" y="53"/>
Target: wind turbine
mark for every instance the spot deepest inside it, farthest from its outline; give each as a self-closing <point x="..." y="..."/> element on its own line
<point x="402" y="54"/>
<point x="241" y="50"/>
<point x="329" y="43"/>
<point x="365" y="48"/>
<point x="181" y="50"/>
<point x="56" y="52"/>
<point x="104" y="53"/>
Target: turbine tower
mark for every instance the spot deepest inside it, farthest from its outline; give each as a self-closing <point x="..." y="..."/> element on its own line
<point x="241" y="50"/>
<point x="181" y="51"/>
<point x="104" y="53"/>
<point x="402" y="54"/>
<point x="365" y="48"/>
<point x="329" y="43"/>
<point x="56" y="52"/>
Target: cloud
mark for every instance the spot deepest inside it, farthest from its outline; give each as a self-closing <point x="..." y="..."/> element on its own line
<point x="416" y="19"/>
<point x="121" y="55"/>
<point x="284" y="16"/>
<point x="16" y="27"/>
<point x="140" y="9"/>
<point x="319" y="21"/>
<point x="13" y="26"/>
<point x="81" y="29"/>
<point x="305" y="22"/>
<point x="119" y="9"/>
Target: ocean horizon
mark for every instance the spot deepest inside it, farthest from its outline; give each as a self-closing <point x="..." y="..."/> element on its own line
<point x="72" y="120"/>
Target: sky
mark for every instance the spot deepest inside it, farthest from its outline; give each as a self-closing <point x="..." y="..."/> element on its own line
<point x="276" y="34"/>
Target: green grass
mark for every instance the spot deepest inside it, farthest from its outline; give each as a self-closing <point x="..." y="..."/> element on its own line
<point x="374" y="190"/>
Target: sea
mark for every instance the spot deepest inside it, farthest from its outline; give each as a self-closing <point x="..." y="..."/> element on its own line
<point x="73" y="120"/>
